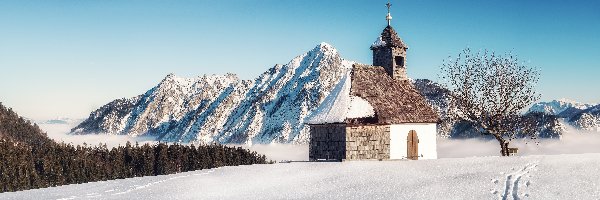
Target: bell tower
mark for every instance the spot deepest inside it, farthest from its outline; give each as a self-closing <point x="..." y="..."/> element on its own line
<point x="389" y="51"/>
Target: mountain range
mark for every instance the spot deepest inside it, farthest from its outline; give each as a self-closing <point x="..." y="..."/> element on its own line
<point x="274" y="106"/>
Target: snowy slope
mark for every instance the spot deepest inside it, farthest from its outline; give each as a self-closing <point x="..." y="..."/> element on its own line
<point x="575" y="176"/>
<point x="340" y="105"/>
<point x="225" y="109"/>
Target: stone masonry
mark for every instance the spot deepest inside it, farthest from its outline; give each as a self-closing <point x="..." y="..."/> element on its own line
<point x="368" y="142"/>
<point x="387" y="58"/>
<point x="349" y="142"/>
<point x="327" y="142"/>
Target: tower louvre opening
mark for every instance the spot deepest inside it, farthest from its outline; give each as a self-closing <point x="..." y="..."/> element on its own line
<point x="399" y="61"/>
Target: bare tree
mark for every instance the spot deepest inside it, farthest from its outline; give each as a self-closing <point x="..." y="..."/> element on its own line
<point x="490" y="91"/>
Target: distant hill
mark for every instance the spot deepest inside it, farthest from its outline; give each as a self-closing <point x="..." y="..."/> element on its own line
<point x="557" y="107"/>
<point x="60" y="121"/>
<point x="588" y="119"/>
<point x="580" y="115"/>
<point x="19" y="130"/>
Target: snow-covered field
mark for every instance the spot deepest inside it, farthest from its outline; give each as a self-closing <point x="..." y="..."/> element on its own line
<point x="574" y="176"/>
<point x="555" y="169"/>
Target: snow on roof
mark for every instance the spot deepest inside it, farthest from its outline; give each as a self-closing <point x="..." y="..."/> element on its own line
<point x="359" y="108"/>
<point x="340" y="105"/>
<point x="378" y="43"/>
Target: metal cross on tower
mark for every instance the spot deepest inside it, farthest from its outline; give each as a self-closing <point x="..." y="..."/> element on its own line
<point x="389" y="16"/>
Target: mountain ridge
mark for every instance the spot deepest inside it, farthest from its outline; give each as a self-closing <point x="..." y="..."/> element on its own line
<point x="225" y="109"/>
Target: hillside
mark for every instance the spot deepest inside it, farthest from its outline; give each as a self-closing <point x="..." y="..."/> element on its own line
<point x="574" y="176"/>
<point x="16" y="129"/>
<point x="30" y="160"/>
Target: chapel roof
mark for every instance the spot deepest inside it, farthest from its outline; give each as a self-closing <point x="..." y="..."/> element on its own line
<point x="393" y="101"/>
<point x="367" y="95"/>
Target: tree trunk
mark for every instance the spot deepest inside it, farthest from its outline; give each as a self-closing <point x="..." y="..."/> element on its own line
<point x="505" y="149"/>
<point x="503" y="145"/>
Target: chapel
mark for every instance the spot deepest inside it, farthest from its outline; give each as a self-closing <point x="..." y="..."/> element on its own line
<point x="374" y="112"/>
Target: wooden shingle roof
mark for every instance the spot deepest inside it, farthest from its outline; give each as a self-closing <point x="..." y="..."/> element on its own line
<point x="394" y="101"/>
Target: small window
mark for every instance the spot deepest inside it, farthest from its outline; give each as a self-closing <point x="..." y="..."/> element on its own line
<point x="399" y="61"/>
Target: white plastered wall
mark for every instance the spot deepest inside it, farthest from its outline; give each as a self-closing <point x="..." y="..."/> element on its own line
<point x="427" y="134"/>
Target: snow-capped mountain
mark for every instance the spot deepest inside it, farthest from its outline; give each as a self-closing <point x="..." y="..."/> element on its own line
<point x="556" y="107"/>
<point x="225" y="109"/>
<point x="588" y="119"/>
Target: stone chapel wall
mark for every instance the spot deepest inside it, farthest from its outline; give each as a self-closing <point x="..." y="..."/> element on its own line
<point x="367" y="142"/>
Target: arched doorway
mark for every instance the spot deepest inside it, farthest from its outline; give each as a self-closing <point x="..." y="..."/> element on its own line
<point x="412" y="145"/>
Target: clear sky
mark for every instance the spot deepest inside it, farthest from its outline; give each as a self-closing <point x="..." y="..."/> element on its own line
<point x="67" y="58"/>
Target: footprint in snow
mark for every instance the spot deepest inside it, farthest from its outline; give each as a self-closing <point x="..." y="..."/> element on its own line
<point x="513" y="181"/>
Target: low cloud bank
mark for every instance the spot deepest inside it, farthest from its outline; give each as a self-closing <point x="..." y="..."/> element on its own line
<point x="59" y="133"/>
<point x="573" y="142"/>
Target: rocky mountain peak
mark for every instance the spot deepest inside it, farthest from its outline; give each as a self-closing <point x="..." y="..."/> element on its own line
<point x="223" y="108"/>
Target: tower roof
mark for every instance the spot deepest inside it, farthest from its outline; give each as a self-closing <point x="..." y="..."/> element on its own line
<point x="388" y="38"/>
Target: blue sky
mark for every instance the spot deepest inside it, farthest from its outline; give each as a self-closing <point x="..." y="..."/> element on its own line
<point x="67" y="58"/>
